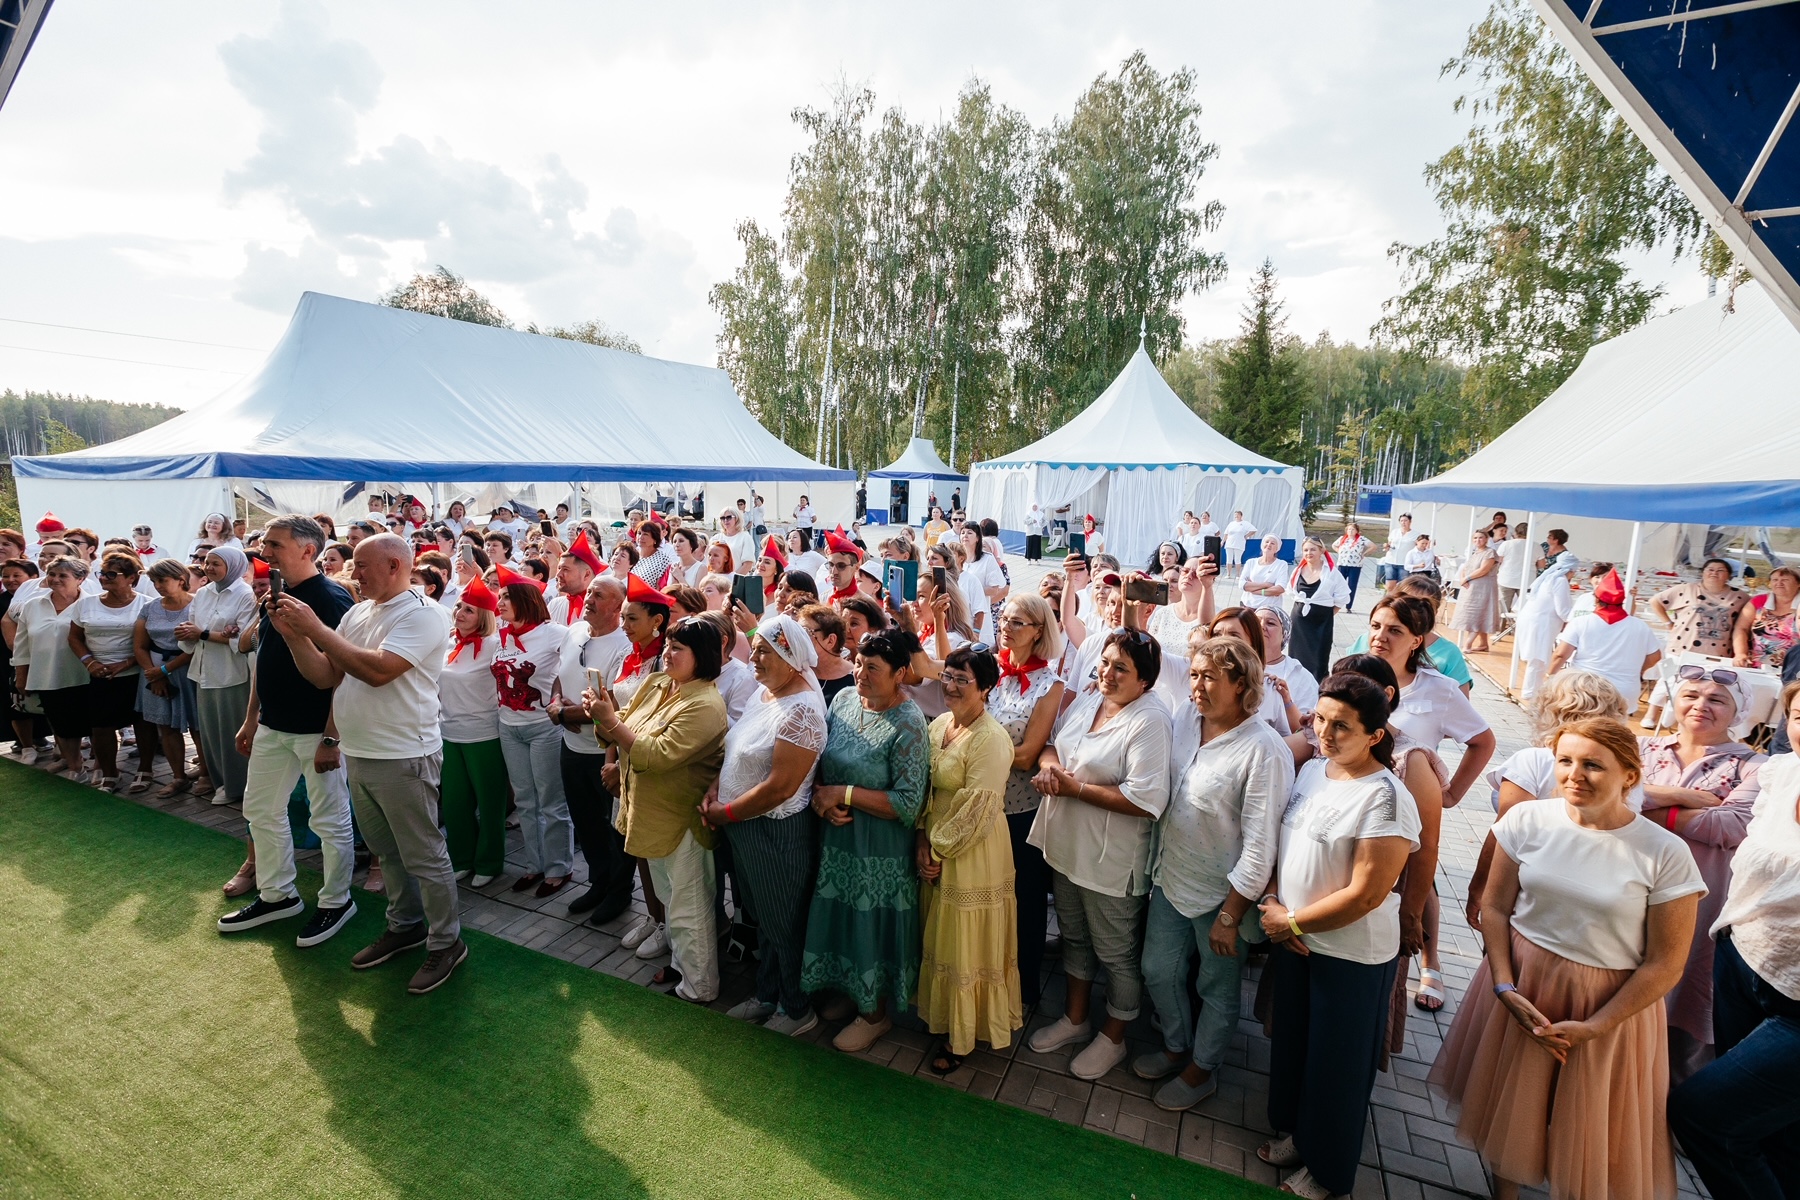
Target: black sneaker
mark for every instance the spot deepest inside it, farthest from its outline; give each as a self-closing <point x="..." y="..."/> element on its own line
<point x="610" y="911"/>
<point x="587" y="901"/>
<point x="261" y="912"/>
<point x="325" y="922"/>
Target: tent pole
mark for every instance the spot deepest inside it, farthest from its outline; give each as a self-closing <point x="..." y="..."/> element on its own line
<point x="435" y="510"/>
<point x="1530" y="570"/>
<point x="1631" y="565"/>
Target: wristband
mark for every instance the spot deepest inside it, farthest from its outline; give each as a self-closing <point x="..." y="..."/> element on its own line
<point x="1673" y="813"/>
<point x="87" y="658"/>
<point x="1295" y="925"/>
<point x="850" y="796"/>
<point x="1500" y="989"/>
<point x="729" y="815"/>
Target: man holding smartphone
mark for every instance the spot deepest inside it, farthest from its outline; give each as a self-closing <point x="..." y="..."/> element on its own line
<point x="283" y="736"/>
<point x="593" y="650"/>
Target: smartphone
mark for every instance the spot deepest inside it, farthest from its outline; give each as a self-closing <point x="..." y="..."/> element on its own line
<point x="905" y="584"/>
<point x="465" y="553"/>
<point x="1213" y="547"/>
<point x="1147" y="591"/>
<point x="940" y="578"/>
<point x="749" y="590"/>
<point x="547" y="528"/>
<point x="896" y="583"/>
<point x="1077" y="544"/>
<point x="276" y="584"/>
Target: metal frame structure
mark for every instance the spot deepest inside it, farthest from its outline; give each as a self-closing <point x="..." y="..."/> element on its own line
<point x="19" y="24"/>
<point x="1711" y="86"/>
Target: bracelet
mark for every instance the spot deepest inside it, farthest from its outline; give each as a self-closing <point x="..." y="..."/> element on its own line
<point x="87" y="658"/>
<point x="1500" y="989"/>
<point x="1673" y="813"/>
<point x="729" y="815"/>
<point x="1295" y="925"/>
<point x="850" y="796"/>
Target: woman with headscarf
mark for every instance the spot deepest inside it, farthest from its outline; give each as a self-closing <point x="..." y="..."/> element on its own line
<point x="1609" y="641"/>
<point x="763" y="805"/>
<point x="1542" y="614"/>
<point x="221" y="674"/>
<point x="1318" y="591"/>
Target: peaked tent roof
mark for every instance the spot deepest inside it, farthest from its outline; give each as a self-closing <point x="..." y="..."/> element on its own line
<point x="1138" y="421"/>
<point x="919" y="461"/>
<point x="1687" y="418"/>
<point x="357" y="391"/>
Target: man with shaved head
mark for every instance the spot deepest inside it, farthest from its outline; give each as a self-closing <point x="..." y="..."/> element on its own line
<point x="283" y="737"/>
<point x="384" y="660"/>
<point x="597" y="645"/>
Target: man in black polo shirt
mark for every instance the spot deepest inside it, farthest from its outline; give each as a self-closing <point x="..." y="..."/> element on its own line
<point x="281" y="736"/>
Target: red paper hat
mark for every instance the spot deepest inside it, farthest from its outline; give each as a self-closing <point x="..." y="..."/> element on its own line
<point x="478" y="595"/>
<point x="639" y="592"/>
<point x="507" y="577"/>
<point x="50" y="524"/>
<point x="583" y="550"/>
<point x="772" y="549"/>
<point x="840" y="544"/>
<point x="259" y="569"/>
<point x="1610" y="589"/>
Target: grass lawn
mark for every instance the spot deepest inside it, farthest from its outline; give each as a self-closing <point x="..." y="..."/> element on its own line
<point x="143" y="1055"/>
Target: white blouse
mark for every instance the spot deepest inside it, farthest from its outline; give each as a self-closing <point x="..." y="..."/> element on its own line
<point x="109" y="631"/>
<point x="218" y="664"/>
<point x="1224" y="817"/>
<point x="798" y="719"/>
<point x="1013" y="709"/>
<point x="1762" y="909"/>
<point x="1433" y="708"/>
<point x="43" y="645"/>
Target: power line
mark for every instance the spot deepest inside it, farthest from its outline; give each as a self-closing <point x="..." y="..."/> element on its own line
<point x="108" y="358"/>
<point x="122" y="333"/>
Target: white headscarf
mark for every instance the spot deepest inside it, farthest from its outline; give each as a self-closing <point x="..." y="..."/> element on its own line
<point x="789" y="639"/>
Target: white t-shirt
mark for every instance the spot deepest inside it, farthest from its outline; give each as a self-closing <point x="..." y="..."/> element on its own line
<point x="1512" y="562"/>
<point x="1616" y="651"/>
<point x="1258" y="571"/>
<point x="1533" y="771"/>
<point x="581" y="651"/>
<point x="737" y="687"/>
<point x="743" y="551"/>
<point x="1325" y="818"/>
<point x="468" y="704"/>
<point x="1433" y="708"/>
<point x="803" y="516"/>
<point x="1237" y="535"/>
<point x="1300" y="682"/>
<point x="1585" y="893"/>
<point x="399" y="719"/>
<point x="525" y="670"/>
<point x="109" y="630"/>
<point x="813" y="563"/>
<point x="1399" y="542"/>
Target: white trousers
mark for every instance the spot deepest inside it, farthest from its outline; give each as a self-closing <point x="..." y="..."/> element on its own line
<point x="684" y="881"/>
<point x="277" y="761"/>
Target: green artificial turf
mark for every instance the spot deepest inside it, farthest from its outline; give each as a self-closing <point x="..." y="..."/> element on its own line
<point x="143" y="1055"/>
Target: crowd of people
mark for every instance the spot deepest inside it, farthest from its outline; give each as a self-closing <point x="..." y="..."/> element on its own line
<point x="878" y="769"/>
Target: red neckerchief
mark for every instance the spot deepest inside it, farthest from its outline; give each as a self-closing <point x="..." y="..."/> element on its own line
<point x="1023" y="673"/>
<point x="927" y="630"/>
<point x="1609" y="599"/>
<point x="474" y="639"/>
<point x="575" y="609"/>
<point x="769" y="590"/>
<point x="843" y="593"/>
<point x="635" y="661"/>
<point x="517" y="633"/>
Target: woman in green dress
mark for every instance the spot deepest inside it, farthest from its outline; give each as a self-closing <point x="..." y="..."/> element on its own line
<point x="862" y="934"/>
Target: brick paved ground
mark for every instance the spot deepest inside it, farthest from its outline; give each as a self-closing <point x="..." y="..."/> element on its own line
<point x="1410" y="1153"/>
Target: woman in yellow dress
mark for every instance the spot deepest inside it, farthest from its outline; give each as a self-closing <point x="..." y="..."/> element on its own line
<point x="936" y="528"/>
<point x="969" y="970"/>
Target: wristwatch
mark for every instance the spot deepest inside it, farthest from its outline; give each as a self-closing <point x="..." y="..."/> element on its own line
<point x="330" y="743"/>
<point x="1226" y="919"/>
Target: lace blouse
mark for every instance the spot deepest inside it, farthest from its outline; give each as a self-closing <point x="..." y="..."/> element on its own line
<point x="798" y="719"/>
<point x="1012" y="709"/>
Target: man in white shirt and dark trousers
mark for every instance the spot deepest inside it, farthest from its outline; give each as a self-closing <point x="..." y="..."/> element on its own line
<point x="384" y="660"/>
<point x="599" y="645"/>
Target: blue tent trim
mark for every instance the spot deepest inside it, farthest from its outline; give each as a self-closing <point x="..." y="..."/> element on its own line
<point x="1774" y="502"/>
<point x="1001" y="465"/>
<point x="276" y="466"/>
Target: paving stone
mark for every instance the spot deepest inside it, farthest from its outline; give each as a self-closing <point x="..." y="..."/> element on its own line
<point x="1422" y="1169"/>
<point x="1195" y="1138"/>
<point x="1131" y="1128"/>
<point x="1068" y="1110"/>
<point x="1160" y="1137"/>
<point x="1102" y="1109"/>
<point x="1018" y="1085"/>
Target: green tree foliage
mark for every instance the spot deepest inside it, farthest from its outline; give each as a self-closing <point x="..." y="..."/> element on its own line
<point x="49" y="423"/>
<point x="1261" y="391"/>
<point x="444" y="293"/>
<point x="1543" y="199"/>
<point x="756" y="336"/>
<point x="594" y="333"/>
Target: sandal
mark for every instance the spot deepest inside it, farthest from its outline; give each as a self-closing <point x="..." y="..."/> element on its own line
<point x="1279" y="1152"/>
<point x="203" y="787"/>
<point x="243" y="883"/>
<point x="1301" y="1183"/>
<point x="1431" y="990"/>
<point x="174" y="788"/>
<point x="141" y="783"/>
<point x="944" y="1062"/>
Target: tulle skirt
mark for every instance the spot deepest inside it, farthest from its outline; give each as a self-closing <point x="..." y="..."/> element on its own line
<point x="1594" y="1129"/>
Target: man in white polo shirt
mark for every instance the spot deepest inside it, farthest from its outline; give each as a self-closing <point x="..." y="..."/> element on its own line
<point x="384" y="659"/>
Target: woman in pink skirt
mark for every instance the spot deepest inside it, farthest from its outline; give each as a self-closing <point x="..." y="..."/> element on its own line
<point x="1559" y="1056"/>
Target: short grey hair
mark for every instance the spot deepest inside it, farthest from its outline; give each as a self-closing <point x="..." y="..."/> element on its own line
<point x="73" y="566"/>
<point x="302" y="529"/>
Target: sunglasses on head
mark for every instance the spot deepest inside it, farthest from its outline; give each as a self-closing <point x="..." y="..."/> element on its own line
<point x="1720" y="676"/>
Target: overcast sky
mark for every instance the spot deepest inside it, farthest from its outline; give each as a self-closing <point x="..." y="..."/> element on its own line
<point x="187" y="171"/>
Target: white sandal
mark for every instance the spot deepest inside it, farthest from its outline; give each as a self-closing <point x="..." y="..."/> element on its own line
<point x="1431" y="988"/>
<point x="1301" y="1183"/>
<point x="1280" y="1152"/>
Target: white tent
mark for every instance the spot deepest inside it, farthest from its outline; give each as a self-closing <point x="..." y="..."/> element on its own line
<point x="1136" y="458"/>
<point x="903" y="489"/>
<point x="359" y="392"/>
<point x="1688" y="418"/>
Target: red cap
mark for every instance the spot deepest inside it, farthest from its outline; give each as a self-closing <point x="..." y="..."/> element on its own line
<point x="840" y="544"/>
<point x="259" y="569"/>
<point x="772" y="549"/>
<point x="1610" y="589"/>
<point x="507" y="577"/>
<point x="583" y="550"/>
<point x="478" y="595"/>
<point x="50" y="524"/>
<point x="639" y="592"/>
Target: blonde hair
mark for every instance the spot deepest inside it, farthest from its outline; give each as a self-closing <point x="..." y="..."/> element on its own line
<point x="1049" y="643"/>
<point x="1238" y="659"/>
<point x="1609" y="732"/>
<point x="1575" y="696"/>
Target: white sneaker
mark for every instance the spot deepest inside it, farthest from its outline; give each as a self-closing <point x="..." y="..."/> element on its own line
<point x="481" y="881"/>
<point x="28" y="755"/>
<point x="792" y="1026"/>
<point x="657" y="942"/>
<point x="1056" y="1036"/>
<point x="635" y="936"/>
<point x="1102" y="1055"/>
<point x="753" y="1010"/>
<point x="460" y="876"/>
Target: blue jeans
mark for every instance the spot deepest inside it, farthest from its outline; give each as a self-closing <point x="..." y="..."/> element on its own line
<point x="1391" y="572"/>
<point x="1738" y="1118"/>
<point x="1352" y="576"/>
<point x="1169" y="938"/>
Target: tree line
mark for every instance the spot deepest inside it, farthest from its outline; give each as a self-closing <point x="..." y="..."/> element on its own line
<point x="52" y="423"/>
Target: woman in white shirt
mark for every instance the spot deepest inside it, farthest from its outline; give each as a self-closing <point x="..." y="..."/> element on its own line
<point x="1293" y="683"/>
<point x="1238" y="533"/>
<point x="1215" y="855"/>
<point x="764" y="805"/>
<point x="1345" y="837"/>
<point x="1350" y="549"/>
<point x="46" y="666"/>
<point x="103" y="636"/>
<point x="457" y="518"/>
<point x="687" y="546"/>
<point x="1588" y="915"/>
<point x="1317" y="592"/>
<point x="1266" y="579"/>
<point x="982" y="569"/>
<point x="1026" y="703"/>
<point x="215" y="531"/>
<point x="1609" y="641"/>
<point x="1736" y="1116"/>
<point x="803" y="558"/>
<point x="1105" y="781"/>
<point x="1190" y="606"/>
<point x="473" y="792"/>
<point x="220" y="670"/>
<point x="527" y="653"/>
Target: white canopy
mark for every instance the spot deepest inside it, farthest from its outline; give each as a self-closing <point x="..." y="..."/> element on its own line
<point x="919" y="461"/>
<point x="1688" y="418"/>
<point x="1137" y="457"/>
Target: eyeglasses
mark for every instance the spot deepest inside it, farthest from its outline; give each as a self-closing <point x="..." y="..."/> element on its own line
<point x="956" y="679"/>
<point x="111" y="574"/>
<point x="1017" y="623"/>
<point x="1693" y="672"/>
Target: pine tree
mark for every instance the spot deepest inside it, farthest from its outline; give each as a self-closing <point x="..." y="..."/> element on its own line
<point x="1262" y="389"/>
